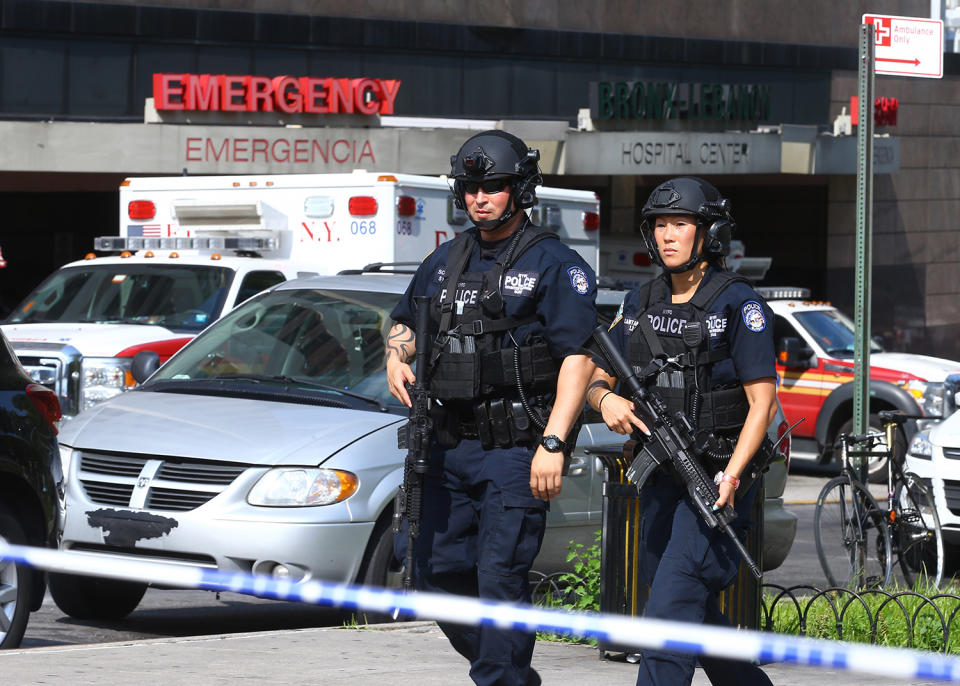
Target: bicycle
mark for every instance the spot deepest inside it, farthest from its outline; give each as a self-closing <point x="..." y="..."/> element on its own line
<point x="856" y="539"/>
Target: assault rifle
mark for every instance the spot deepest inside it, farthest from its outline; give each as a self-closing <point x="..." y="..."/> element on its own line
<point x="415" y="437"/>
<point x="675" y="438"/>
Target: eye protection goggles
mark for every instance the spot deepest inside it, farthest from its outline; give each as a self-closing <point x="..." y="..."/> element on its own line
<point x="491" y="187"/>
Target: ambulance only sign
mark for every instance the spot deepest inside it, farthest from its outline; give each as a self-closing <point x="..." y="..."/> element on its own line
<point x="908" y="46"/>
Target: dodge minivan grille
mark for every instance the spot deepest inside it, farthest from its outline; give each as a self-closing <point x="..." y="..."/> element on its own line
<point x="154" y="482"/>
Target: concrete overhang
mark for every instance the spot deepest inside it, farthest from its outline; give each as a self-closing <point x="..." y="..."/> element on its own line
<point x="159" y="149"/>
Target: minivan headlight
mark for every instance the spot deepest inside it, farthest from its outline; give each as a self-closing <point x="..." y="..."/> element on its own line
<point x="302" y="487"/>
<point x="921" y="447"/>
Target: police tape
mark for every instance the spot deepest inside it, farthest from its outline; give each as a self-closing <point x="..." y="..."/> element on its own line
<point x="618" y="630"/>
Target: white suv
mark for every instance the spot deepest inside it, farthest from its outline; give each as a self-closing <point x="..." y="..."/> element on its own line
<point x="934" y="456"/>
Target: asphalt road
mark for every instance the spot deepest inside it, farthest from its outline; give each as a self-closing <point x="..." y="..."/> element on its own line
<point x="168" y="613"/>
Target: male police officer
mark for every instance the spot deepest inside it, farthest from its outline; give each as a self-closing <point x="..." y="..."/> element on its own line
<point x="716" y="333"/>
<point x="511" y="306"/>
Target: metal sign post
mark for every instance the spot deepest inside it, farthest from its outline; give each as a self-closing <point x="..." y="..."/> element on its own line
<point x="864" y="243"/>
<point x="904" y="46"/>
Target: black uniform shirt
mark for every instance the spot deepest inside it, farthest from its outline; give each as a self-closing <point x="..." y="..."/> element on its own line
<point x="738" y="315"/>
<point x="549" y="279"/>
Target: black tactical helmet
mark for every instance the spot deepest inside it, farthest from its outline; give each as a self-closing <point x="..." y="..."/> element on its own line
<point x="690" y="195"/>
<point x="497" y="155"/>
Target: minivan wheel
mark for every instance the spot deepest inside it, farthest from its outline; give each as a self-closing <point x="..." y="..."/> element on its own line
<point x="380" y="568"/>
<point x="16" y="584"/>
<point x="90" y="597"/>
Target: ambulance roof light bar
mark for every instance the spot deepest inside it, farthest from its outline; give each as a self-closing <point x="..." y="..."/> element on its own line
<point x="117" y="243"/>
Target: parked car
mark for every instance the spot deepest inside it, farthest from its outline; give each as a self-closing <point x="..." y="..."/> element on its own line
<point x="269" y="445"/>
<point x="31" y="488"/>
<point x="934" y="456"/>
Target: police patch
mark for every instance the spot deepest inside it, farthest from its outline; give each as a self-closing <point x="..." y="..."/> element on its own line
<point x="441" y="274"/>
<point x="753" y="316"/>
<point x="579" y="280"/>
<point x="520" y="283"/>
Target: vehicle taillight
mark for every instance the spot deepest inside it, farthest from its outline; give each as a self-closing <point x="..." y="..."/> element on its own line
<point x="47" y="402"/>
<point x="784" y="446"/>
<point x="591" y="221"/>
<point x="406" y="206"/>
<point x="141" y="209"/>
<point x="362" y="205"/>
<point x="641" y="259"/>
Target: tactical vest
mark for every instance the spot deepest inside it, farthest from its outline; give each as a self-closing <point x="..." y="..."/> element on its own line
<point x="679" y="331"/>
<point x="469" y="360"/>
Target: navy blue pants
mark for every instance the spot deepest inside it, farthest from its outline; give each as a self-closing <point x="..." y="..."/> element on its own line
<point x="687" y="565"/>
<point x="480" y="532"/>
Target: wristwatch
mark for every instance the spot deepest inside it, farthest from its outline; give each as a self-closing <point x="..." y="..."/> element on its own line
<point x="553" y="444"/>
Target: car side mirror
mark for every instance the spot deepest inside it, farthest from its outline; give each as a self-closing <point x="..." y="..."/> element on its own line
<point x="878" y="341"/>
<point x="951" y="394"/>
<point x="144" y="364"/>
<point x="793" y="352"/>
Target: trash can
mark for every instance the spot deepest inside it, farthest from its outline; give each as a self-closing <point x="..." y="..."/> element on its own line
<point x="622" y="589"/>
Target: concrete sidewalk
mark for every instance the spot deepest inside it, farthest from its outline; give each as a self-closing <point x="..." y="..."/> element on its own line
<point x="403" y="653"/>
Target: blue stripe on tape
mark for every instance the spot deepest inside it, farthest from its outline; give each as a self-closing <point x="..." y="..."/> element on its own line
<point x="683" y="647"/>
<point x="942" y="672"/>
<point x="616" y="629"/>
<point x="767" y="653"/>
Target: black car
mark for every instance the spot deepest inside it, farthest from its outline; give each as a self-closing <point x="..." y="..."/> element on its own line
<point x="31" y="488"/>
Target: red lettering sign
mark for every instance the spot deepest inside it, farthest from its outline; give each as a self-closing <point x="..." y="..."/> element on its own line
<point x="239" y="93"/>
<point x="304" y="151"/>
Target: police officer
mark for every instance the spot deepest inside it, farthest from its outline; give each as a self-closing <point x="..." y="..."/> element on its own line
<point x="717" y="333"/>
<point x="511" y="307"/>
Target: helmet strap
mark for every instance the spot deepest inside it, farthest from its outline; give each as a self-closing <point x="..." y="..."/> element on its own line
<point x="695" y="257"/>
<point x="494" y="224"/>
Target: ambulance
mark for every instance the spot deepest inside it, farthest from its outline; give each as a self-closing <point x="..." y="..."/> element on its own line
<point x="191" y="248"/>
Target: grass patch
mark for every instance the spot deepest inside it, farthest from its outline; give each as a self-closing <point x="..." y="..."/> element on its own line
<point x="900" y="617"/>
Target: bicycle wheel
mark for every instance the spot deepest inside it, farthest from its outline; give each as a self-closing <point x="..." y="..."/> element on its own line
<point x="917" y="534"/>
<point x="852" y="537"/>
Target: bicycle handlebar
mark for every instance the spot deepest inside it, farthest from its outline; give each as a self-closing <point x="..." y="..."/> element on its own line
<point x="852" y="439"/>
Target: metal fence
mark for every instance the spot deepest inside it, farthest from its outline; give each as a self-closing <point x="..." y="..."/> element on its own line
<point x="903" y="618"/>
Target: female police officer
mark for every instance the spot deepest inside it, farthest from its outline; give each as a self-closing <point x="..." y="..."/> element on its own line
<point x="716" y="332"/>
<point x="511" y="306"/>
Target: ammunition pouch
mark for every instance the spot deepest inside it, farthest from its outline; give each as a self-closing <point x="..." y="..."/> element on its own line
<point x="503" y="423"/>
<point x="538" y="370"/>
<point x="456" y="376"/>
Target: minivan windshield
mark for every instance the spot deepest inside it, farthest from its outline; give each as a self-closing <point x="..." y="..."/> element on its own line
<point x="183" y="298"/>
<point x="832" y="330"/>
<point x="325" y="339"/>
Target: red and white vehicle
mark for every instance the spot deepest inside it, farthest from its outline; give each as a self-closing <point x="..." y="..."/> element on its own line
<point x="190" y="248"/>
<point x="814" y="343"/>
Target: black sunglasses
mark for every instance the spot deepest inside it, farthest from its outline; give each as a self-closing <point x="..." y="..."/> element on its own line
<point x="489" y="187"/>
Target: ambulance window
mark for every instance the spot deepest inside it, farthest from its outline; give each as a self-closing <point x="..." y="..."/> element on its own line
<point x="254" y="282"/>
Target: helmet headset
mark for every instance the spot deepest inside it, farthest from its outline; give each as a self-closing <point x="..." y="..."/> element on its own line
<point x="693" y="196"/>
<point x="497" y="155"/>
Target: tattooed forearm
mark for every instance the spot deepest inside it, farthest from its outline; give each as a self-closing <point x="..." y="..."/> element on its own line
<point x="401" y="342"/>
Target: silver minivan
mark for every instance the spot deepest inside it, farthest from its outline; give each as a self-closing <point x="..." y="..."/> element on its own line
<point x="269" y="445"/>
